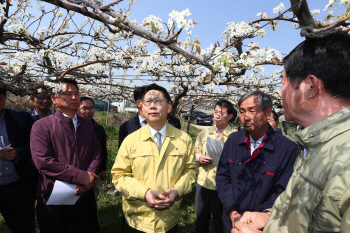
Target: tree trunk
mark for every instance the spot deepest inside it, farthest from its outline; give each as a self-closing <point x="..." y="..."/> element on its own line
<point x="189" y="118"/>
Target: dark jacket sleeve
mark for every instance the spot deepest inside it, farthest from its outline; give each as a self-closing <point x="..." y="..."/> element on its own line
<point x="95" y="160"/>
<point x="20" y="140"/>
<point x="123" y="132"/>
<point x="283" y="176"/>
<point x="103" y="142"/>
<point x="223" y="179"/>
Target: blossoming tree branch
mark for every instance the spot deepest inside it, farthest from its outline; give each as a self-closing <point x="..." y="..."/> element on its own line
<point x="44" y="41"/>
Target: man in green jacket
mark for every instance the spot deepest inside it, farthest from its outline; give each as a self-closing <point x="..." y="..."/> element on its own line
<point x="316" y="95"/>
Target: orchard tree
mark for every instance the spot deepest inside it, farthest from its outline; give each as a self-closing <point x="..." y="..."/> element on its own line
<point x="44" y="41"/>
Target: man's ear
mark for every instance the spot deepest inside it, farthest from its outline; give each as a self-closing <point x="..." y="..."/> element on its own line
<point x="53" y="98"/>
<point x="268" y="113"/>
<point x="170" y="107"/>
<point x="313" y="85"/>
<point x="32" y="98"/>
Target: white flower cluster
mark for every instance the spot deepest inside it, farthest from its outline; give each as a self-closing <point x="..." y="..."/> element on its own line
<point x="262" y="15"/>
<point x="316" y="11"/>
<point x="279" y="9"/>
<point x="241" y="29"/>
<point x="330" y="4"/>
<point x="19" y="28"/>
<point x="96" y="53"/>
<point x="54" y="87"/>
<point x="179" y="18"/>
<point x="153" y="23"/>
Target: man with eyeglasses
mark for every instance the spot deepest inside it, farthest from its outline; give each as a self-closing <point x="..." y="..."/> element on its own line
<point x="154" y="168"/>
<point x="65" y="148"/>
<point x="87" y="110"/>
<point x="207" y="201"/>
<point x="42" y="105"/>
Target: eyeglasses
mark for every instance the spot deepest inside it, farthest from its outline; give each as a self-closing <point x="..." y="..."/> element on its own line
<point x="158" y="102"/>
<point x="219" y="113"/>
<point x="87" y="109"/>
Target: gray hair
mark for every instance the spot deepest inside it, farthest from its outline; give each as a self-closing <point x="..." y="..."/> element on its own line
<point x="265" y="101"/>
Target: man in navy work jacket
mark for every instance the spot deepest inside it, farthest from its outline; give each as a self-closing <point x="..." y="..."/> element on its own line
<point x="256" y="162"/>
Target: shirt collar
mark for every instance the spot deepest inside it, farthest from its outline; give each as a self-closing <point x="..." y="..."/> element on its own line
<point x="220" y="131"/>
<point x="257" y="141"/>
<point x="74" y="118"/>
<point x="141" y="119"/>
<point x="162" y="131"/>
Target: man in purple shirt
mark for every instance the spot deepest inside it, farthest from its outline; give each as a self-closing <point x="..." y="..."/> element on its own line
<point x="65" y="148"/>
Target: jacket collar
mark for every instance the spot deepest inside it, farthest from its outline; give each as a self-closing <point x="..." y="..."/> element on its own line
<point x="60" y="115"/>
<point x="324" y="130"/>
<point x="227" y="131"/>
<point x="146" y="133"/>
<point x="269" y="142"/>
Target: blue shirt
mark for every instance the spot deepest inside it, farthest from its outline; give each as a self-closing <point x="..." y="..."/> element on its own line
<point x="8" y="172"/>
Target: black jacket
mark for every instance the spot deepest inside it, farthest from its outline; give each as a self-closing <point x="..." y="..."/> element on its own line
<point x="127" y="128"/>
<point x="101" y="136"/>
<point x="18" y="127"/>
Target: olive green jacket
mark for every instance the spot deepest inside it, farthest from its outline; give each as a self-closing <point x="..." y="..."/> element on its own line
<point x="317" y="197"/>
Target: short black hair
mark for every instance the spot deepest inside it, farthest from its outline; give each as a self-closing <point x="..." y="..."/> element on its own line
<point x="71" y="81"/>
<point x="87" y="98"/>
<point x="227" y="104"/>
<point x="265" y="101"/>
<point x="3" y="90"/>
<point x="327" y="58"/>
<point x="275" y="116"/>
<point x="156" y="87"/>
<point x="138" y="93"/>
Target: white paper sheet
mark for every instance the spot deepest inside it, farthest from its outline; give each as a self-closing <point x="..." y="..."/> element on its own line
<point x="214" y="149"/>
<point x="63" y="194"/>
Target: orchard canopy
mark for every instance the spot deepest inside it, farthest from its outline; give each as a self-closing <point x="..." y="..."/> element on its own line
<point x="100" y="44"/>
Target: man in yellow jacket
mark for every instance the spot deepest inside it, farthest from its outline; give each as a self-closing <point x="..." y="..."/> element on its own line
<point x="207" y="200"/>
<point x="154" y="168"/>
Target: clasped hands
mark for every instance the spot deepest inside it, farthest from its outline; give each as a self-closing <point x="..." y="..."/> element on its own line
<point x="250" y="222"/>
<point x="163" y="200"/>
<point x="89" y="183"/>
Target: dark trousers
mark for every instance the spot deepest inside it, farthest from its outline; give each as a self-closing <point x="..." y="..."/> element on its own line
<point x="208" y="203"/>
<point x="129" y="229"/>
<point x="17" y="206"/>
<point x="81" y="217"/>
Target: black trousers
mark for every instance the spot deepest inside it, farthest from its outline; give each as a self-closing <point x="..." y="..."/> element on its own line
<point x="129" y="229"/>
<point x="17" y="206"/>
<point x="208" y="203"/>
<point x="81" y="217"/>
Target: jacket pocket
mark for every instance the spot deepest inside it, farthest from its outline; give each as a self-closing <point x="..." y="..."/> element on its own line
<point x="142" y="165"/>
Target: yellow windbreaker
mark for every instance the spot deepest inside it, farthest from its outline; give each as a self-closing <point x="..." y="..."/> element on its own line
<point x="139" y="167"/>
<point x="207" y="173"/>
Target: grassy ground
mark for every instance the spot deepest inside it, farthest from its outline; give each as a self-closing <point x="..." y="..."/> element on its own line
<point x="109" y="206"/>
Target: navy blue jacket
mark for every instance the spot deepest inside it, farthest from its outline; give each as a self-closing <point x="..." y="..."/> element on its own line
<point x="18" y="132"/>
<point x="127" y="128"/>
<point x="252" y="183"/>
<point x="133" y="124"/>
